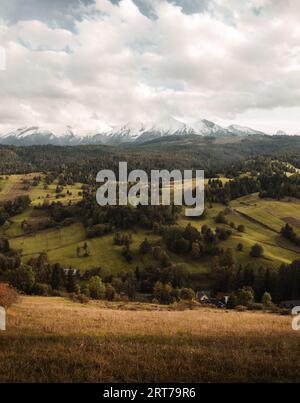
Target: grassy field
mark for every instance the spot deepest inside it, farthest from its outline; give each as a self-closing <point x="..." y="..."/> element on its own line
<point x="71" y="194"/>
<point x="12" y="186"/>
<point x="277" y="249"/>
<point x="262" y="219"/>
<point x="61" y="246"/>
<point x="271" y="213"/>
<point x="55" y="340"/>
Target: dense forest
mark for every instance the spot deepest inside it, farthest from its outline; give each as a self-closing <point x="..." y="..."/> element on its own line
<point x="81" y="163"/>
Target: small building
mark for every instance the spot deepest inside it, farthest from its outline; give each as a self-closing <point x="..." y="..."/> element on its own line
<point x="203" y="296"/>
<point x="289" y="304"/>
<point x="222" y="297"/>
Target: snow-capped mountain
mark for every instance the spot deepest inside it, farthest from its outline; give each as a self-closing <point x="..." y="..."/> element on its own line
<point x="238" y="130"/>
<point x="206" y="128"/>
<point x="131" y="132"/>
<point x="29" y="136"/>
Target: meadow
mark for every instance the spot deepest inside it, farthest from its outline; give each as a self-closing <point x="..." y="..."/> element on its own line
<point x="261" y="218"/>
<point x="134" y="342"/>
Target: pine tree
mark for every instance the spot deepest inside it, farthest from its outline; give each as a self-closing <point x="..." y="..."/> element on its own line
<point x="71" y="282"/>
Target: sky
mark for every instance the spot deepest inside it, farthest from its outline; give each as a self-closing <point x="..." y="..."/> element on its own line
<point x="93" y="63"/>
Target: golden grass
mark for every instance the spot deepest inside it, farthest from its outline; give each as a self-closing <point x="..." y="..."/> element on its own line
<point x="12" y="186"/>
<point x="55" y="340"/>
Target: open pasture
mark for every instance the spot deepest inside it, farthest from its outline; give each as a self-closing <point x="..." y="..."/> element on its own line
<point x="55" y="340"/>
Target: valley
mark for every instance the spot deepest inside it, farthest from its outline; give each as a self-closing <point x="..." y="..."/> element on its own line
<point x="261" y="218"/>
<point x="101" y="281"/>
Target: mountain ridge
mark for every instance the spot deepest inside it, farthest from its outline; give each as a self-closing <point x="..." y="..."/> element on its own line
<point x="132" y="132"/>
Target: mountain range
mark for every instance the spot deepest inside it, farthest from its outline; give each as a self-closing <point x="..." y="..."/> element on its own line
<point x="132" y="132"/>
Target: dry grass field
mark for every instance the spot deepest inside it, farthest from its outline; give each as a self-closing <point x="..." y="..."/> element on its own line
<point x="55" y="340"/>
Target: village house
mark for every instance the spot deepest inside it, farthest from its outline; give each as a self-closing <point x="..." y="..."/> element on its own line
<point x="289" y="304"/>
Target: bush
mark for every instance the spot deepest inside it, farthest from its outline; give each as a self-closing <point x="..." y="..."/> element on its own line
<point x="257" y="251"/>
<point x="81" y="298"/>
<point x="96" y="288"/>
<point x="145" y="247"/>
<point x="257" y="307"/>
<point x="187" y="294"/>
<point x="42" y="289"/>
<point x="246" y="296"/>
<point x="241" y="228"/>
<point x="221" y="218"/>
<point x="22" y="279"/>
<point x="285" y="312"/>
<point x="163" y="293"/>
<point x="267" y="299"/>
<point x="8" y="295"/>
<point x="240" y="247"/>
<point x="232" y="301"/>
<point x="110" y="292"/>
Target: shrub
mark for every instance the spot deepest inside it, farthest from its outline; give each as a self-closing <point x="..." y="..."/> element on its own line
<point x="22" y="279"/>
<point x="110" y="292"/>
<point x="285" y="312"/>
<point x="145" y="247"/>
<point x="232" y="301"/>
<point x="267" y="299"/>
<point x="42" y="289"/>
<point x="81" y="298"/>
<point x="241" y="228"/>
<point x="8" y="295"/>
<point x="163" y="293"/>
<point x="187" y="294"/>
<point x="257" y="307"/>
<point x="221" y="218"/>
<point x="96" y="288"/>
<point x="240" y="247"/>
<point x="246" y="296"/>
<point x="257" y="251"/>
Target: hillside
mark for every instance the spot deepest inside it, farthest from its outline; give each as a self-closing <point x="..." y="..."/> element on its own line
<point x="262" y="220"/>
<point x="144" y="343"/>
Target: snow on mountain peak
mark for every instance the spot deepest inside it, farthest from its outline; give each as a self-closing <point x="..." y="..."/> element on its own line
<point x="133" y="131"/>
<point x="237" y="129"/>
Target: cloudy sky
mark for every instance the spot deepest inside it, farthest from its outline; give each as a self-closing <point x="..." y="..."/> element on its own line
<point x="94" y="62"/>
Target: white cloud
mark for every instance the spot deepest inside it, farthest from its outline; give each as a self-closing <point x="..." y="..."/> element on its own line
<point x="37" y="36"/>
<point x="233" y="62"/>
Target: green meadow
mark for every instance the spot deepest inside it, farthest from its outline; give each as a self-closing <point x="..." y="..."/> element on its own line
<point x="262" y="220"/>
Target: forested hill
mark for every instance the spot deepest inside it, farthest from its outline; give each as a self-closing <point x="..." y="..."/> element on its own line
<point x="210" y="154"/>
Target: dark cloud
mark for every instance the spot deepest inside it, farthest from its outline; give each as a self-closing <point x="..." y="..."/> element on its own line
<point x="63" y="12"/>
<point x="54" y="12"/>
<point x="192" y="6"/>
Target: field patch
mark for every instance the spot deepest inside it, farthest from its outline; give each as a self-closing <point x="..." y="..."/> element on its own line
<point x="55" y="340"/>
<point x="292" y="221"/>
<point x="13" y="186"/>
<point x="61" y="245"/>
<point x="270" y="213"/>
